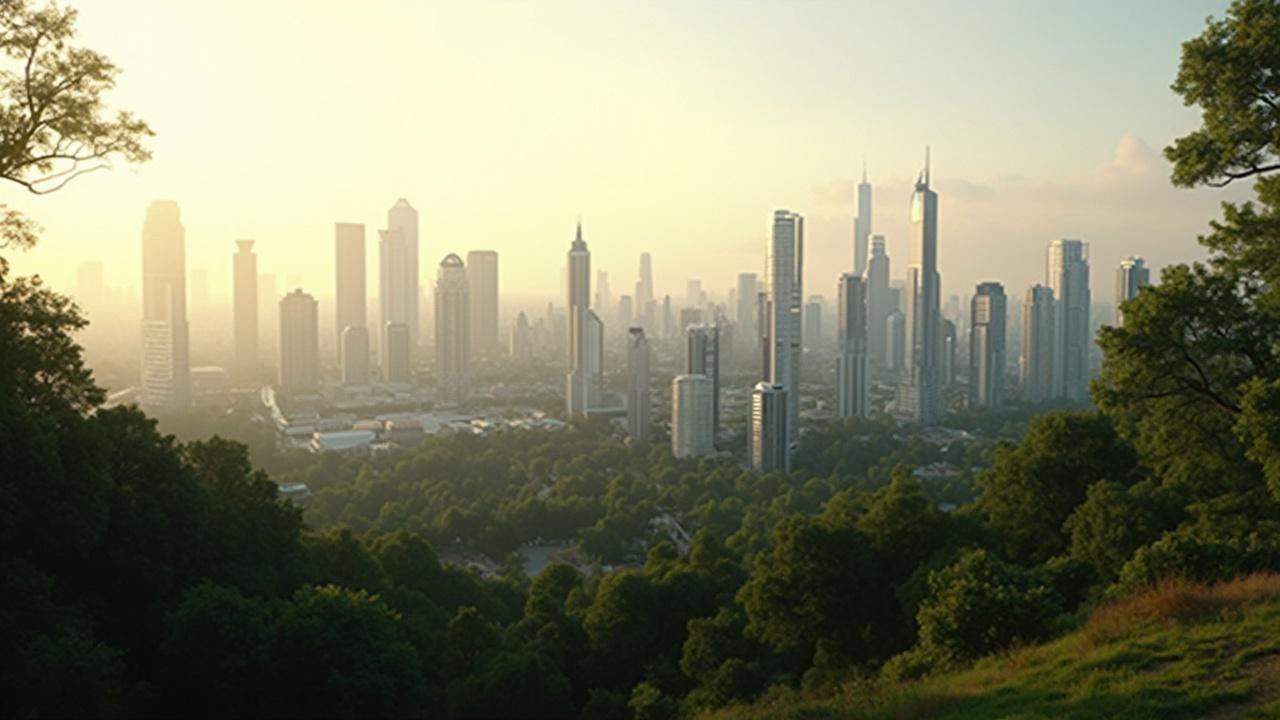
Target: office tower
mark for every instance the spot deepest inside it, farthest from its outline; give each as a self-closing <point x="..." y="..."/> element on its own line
<point x="851" y="346"/>
<point x="879" y="301"/>
<point x="948" y="353"/>
<point x="813" y="322"/>
<point x="349" y="282"/>
<point x="768" y="441"/>
<point x="896" y="346"/>
<point x="89" y="285"/>
<point x="355" y="355"/>
<point x="702" y="357"/>
<point x="453" y="329"/>
<point x="1038" y="356"/>
<point x="1131" y="275"/>
<point x="521" y="345"/>
<point x="579" y="381"/>
<point x="244" y="271"/>
<point x="862" y="224"/>
<point x="1068" y="275"/>
<point x="166" y="364"/>
<point x="482" y="284"/>
<point x="299" y="344"/>
<point x="394" y="296"/>
<point x="689" y="317"/>
<point x="644" y="294"/>
<point x="785" y="265"/>
<point x="748" y="334"/>
<point x="919" y="397"/>
<point x="987" y="313"/>
<point x="398" y="367"/>
<point x="626" y="313"/>
<point x="638" y="412"/>
<point x="693" y="294"/>
<point x="691" y="423"/>
<point x="402" y="218"/>
<point x="669" y="328"/>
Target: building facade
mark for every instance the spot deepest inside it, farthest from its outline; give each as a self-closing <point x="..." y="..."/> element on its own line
<point x="691" y="423"/>
<point x="987" y="313"/>
<point x="919" y="398"/>
<point x="1131" y="275"/>
<point x="350" y="293"/>
<point x="482" y="283"/>
<point x="769" y="443"/>
<point x="784" y="284"/>
<point x="852" y="368"/>
<point x="453" y="329"/>
<point x="244" y="270"/>
<point x="1068" y="276"/>
<point x="638" y="401"/>
<point x="702" y="357"/>
<point x="1038" y="337"/>
<point x="166" y="360"/>
<point x="299" y="372"/>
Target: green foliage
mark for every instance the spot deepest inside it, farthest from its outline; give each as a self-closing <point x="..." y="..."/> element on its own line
<point x="1113" y="522"/>
<point x="1184" y="554"/>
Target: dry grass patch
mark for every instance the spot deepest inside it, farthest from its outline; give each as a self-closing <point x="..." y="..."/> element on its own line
<point x="1178" y="600"/>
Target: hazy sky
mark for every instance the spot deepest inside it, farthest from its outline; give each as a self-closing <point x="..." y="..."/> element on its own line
<point x="673" y="127"/>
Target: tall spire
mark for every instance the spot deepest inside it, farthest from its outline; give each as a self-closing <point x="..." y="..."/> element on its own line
<point x="864" y="169"/>
<point x="926" y="166"/>
<point x="578" y="242"/>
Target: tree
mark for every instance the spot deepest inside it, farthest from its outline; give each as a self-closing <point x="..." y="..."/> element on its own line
<point x="53" y="115"/>
<point x="1113" y="522"/>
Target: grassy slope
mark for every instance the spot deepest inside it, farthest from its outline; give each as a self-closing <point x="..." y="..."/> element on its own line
<point x="1177" y="652"/>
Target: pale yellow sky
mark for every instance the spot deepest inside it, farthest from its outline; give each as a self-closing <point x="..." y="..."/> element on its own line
<point x="670" y="127"/>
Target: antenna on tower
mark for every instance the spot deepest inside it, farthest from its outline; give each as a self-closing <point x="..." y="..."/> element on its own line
<point x="926" y="165"/>
<point x="864" y="169"/>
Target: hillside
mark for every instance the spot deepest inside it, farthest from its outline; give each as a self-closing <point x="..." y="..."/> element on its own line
<point x="1178" y="651"/>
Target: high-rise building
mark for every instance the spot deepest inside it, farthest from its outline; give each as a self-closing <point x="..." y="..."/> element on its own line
<point x="919" y="397"/>
<point x="482" y="282"/>
<point x="987" y="315"/>
<point x="748" y="333"/>
<point x="769" y="443"/>
<point x="638" y="410"/>
<point x="691" y="423"/>
<point x="394" y="293"/>
<point x="299" y="344"/>
<point x="1131" y="275"/>
<point x="896" y="347"/>
<point x="398" y="367"/>
<point x="166" y="360"/>
<point x="355" y="355"/>
<point x="693" y="293"/>
<point x="880" y="302"/>
<point x="453" y="329"/>
<point x="626" y="312"/>
<point x="585" y="332"/>
<point x="244" y="270"/>
<point x="644" y="294"/>
<point x="349" y="284"/>
<point x="1038" y="337"/>
<point x="403" y="218"/>
<point x="702" y="357"/>
<point x="785" y="264"/>
<point x="1068" y="275"/>
<point x="521" y="346"/>
<point x="862" y="224"/>
<point x="851" y="361"/>
<point x="949" y="346"/>
<point x="812" y="332"/>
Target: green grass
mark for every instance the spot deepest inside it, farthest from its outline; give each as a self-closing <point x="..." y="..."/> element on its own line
<point x="1179" y="651"/>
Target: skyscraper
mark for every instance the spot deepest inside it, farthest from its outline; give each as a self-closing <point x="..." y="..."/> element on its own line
<point x="644" y="294"/>
<point x="768" y="442"/>
<point x="785" y="272"/>
<point x="748" y="333"/>
<point x="879" y="302"/>
<point x="638" y="411"/>
<point x="166" y="364"/>
<point x="482" y="284"/>
<point x="812" y="322"/>
<point x="244" y="270"/>
<point x="580" y="380"/>
<point x="1038" y="337"/>
<point x="398" y="367"/>
<point x="862" y="224"/>
<point x="521" y="348"/>
<point x="299" y="344"/>
<point x="896" y="346"/>
<point x="987" y="346"/>
<point x="702" y="357"/>
<point x="851" y="346"/>
<point x="453" y="329"/>
<point x="1131" y="275"/>
<point x="355" y="355"/>
<point x="349" y="283"/>
<point x="404" y="219"/>
<point x="393" y="293"/>
<point x="691" y="423"/>
<point x="919" y="397"/>
<point x="1068" y="275"/>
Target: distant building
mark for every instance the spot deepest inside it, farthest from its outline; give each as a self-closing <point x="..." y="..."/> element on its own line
<point x="702" y="357"/>
<point x="949" y="348"/>
<point x="813" y="322"/>
<point x="769" y="443"/>
<point x="987" y="346"/>
<point x="638" y="410"/>
<point x="748" y="333"/>
<point x="244" y="270"/>
<point x="862" y="225"/>
<point x="1131" y="275"/>
<point x="399" y="363"/>
<point x="880" y="303"/>
<point x="166" y="360"/>
<point x="693" y="293"/>
<point x="691" y="422"/>
<point x="919" y="397"/>
<point x="644" y="295"/>
<point x="394" y="297"/>
<point x="402" y="221"/>
<point x="580" y="380"/>
<point x="1038" y="356"/>
<point x="784" y="285"/>
<point x="299" y="344"/>
<point x="521" y="346"/>
<point x="896" y="332"/>
<point x="453" y="329"/>
<point x="355" y="355"/>
<point x="1068" y="275"/>
<point x="350" y="309"/>
<point x="851" y="347"/>
<point x="482" y="283"/>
